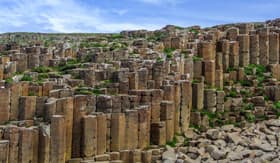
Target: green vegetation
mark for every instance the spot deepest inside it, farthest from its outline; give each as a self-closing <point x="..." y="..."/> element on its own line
<point x="31" y="94"/>
<point x="42" y="76"/>
<point x="248" y="106"/>
<point x="260" y="70"/>
<point x="232" y="93"/>
<point x="179" y="28"/>
<point x="41" y="69"/>
<point x="87" y="91"/>
<point x="250" y="117"/>
<point x="277" y="105"/>
<point x="116" y="36"/>
<point x="26" y="77"/>
<point x="173" y="142"/>
<point x="169" y="52"/>
<point x="9" y="80"/>
<point x="159" y="60"/>
<point x="158" y="36"/>
<point x="86" y="44"/>
<point x="195" y="31"/>
<point x="196" y="58"/>
<point x="231" y="69"/>
<point x="186" y="141"/>
<point x="96" y="91"/>
<point x="276" y="108"/>
<point x="197" y="127"/>
<point x="246" y="83"/>
<point x="195" y="81"/>
<point x="4" y="53"/>
<point x="211" y="116"/>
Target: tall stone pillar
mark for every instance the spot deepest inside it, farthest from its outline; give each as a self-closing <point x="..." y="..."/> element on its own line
<point x="273" y="48"/>
<point x="25" y="145"/>
<point x="131" y="131"/>
<point x="44" y="144"/>
<point x="209" y="72"/>
<point x="197" y="93"/>
<point x="58" y="139"/>
<point x="89" y="136"/>
<point x="244" y="46"/>
<point x="27" y="107"/>
<point x="264" y="46"/>
<point x="254" y="49"/>
<point x="167" y="115"/>
<point x="117" y="131"/>
<point x="186" y="104"/>
<point x="4" y="105"/>
<point x="4" y="151"/>
<point x="64" y="106"/>
<point x="144" y="118"/>
<point x="159" y="133"/>
<point x="79" y="110"/>
<point x="234" y="54"/>
<point x="12" y="134"/>
<point x="101" y="133"/>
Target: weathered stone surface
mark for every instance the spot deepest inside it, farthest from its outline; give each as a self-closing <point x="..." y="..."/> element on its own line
<point x="58" y="139"/>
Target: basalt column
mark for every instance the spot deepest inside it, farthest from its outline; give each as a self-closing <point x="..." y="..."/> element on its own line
<point x="89" y="136"/>
<point x="58" y="139"/>
<point x="186" y="104"/>
<point x="254" y="49"/>
<point x="4" y="105"/>
<point x="167" y="115"/>
<point x="64" y="106"/>
<point x="144" y="124"/>
<point x="264" y="46"/>
<point x="233" y="54"/>
<point x="131" y="131"/>
<point x="244" y="45"/>
<point x="117" y="131"/>
<point x="273" y="48"/>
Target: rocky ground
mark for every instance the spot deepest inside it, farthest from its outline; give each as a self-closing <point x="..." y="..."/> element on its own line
<point x="255" y="143"/>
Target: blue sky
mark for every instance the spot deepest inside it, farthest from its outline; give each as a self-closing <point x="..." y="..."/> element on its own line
<point x="116" y="15"/>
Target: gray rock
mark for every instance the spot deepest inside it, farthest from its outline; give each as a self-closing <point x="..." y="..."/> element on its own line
<point x="218" y="154"/>
<point x="214" y="134"/>
<point x="233" y="156"/>
<point x="234" y="138"/>
<point x="263" y="147"/>
<point x="274" y="122"/>
<point x="269" y="156"/>
<point x="227" y="128"/>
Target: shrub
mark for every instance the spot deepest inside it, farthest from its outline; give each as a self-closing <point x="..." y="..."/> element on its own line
<point x="26" y="78"/>
<point x="250" y="117"/>
<point x="169" y="55"/>
<point x="232" y="93"/>
<point x="41" y="69"/>
<point x="169" y="50"/>
<point x="9" y="80"/>
<point x="196" y="58"/>
<point x="173" y="142"/>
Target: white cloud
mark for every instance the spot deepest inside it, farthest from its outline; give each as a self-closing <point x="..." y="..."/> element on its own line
<point x="63" y="16"/>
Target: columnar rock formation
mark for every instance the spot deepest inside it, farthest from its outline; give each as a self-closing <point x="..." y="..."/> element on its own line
<point x="122" y="97"/>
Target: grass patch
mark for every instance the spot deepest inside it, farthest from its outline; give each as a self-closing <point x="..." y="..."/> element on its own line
<point x="41" y="69"/>
<point x="196" y="58"/>
<point x="173" y="142"/>
<point x="250" y="117"/>
<point x="9" y="80"/>
<point x="26" y="77"/>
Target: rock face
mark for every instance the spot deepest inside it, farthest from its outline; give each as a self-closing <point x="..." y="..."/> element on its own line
<point x="211" y="95"/>
<point x="234" y="144"/>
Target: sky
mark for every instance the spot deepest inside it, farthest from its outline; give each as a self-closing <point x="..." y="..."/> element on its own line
<point x="100" y="16"/>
